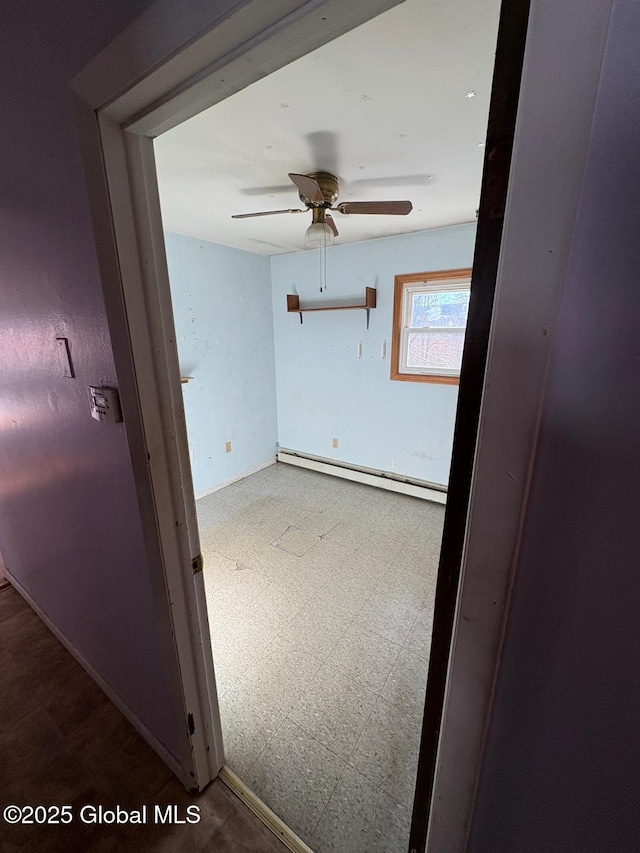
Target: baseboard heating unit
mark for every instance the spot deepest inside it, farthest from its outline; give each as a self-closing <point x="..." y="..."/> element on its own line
<point x="371" y="477"/>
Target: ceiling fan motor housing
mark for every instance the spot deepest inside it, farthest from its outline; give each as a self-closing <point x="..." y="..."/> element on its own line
<point x="329" y="187"/>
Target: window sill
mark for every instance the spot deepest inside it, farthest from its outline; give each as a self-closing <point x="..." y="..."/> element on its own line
<point x="431" y="378"/>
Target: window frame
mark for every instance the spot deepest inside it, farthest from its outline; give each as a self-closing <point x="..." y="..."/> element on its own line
<point x="451" y="280"/>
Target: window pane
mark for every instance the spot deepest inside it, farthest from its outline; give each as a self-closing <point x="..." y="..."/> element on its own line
<point x="442" y="310"/>
<point x="433" y="350"/>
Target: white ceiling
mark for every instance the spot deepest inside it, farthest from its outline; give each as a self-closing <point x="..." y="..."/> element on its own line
<point x="384" y="107"/>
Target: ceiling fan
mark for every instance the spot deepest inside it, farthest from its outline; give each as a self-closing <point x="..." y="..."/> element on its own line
<point x="319" y="192"/>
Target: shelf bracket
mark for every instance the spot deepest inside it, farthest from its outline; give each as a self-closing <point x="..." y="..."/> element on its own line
<point x="301" y="320"/>
<point x="368" y="315"/>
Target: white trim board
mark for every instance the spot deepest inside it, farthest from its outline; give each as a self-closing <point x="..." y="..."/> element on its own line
<point x="378" y="479"/>
<point x="169" y="759"/>
<point x="235" y="479"/>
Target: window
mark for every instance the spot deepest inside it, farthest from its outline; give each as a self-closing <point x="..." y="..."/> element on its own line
<point x="429" y="320"/>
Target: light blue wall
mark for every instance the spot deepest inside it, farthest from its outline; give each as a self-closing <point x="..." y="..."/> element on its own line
<point x="224" y="326"/>
<point x="325" y="392"/>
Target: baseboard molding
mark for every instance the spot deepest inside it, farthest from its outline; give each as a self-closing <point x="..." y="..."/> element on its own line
<point x="235" y="479"/>
<point x="169" y="759"/>
<point x="270" y="819"/>
<point x="379" y="479"/>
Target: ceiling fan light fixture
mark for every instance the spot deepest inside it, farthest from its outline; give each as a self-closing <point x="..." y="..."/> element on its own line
<point x="317" y="235"/>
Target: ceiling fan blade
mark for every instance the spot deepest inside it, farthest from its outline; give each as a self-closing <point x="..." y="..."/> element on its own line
<point x="266" y="213"/>
<point x="308" y="187"/>
<point x="390" y="208"/>
<point x="329" y="220"/>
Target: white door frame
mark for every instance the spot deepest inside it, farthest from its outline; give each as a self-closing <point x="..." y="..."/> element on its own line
<point x="168" y="65"/>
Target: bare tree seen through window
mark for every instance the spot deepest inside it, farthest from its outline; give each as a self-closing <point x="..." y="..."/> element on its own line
<point x="436" y="335"/>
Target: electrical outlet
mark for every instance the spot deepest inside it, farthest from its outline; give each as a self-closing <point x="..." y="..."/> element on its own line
<point x="227" y="447"/>
<point x="335" y="442"/>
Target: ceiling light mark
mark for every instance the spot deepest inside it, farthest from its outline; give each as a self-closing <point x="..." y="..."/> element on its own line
<point x="366" y="97"/>
<point x="284" y="106"/>
<point x="470" y="94"/>
<point x="481" y="144"/>
<point x="402" y="136"/>
<point x="360" y="167"/>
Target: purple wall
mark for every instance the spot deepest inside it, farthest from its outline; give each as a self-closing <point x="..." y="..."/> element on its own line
<point x="562" y="766"/>
<point x="69" y="523"/>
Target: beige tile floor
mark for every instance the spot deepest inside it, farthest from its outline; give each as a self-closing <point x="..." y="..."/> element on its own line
<point x="320" y="595"/>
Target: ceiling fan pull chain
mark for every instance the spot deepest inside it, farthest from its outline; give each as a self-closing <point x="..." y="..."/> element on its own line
<point x="323" y="266"/>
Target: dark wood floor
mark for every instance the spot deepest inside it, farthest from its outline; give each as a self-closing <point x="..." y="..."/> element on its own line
<point x="63" y="742"/>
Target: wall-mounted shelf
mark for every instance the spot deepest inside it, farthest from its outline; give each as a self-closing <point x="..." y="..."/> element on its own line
<point x="185" y="379"/>
<point x="294" y="307"/>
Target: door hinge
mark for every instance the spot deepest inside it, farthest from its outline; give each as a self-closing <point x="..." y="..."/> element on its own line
<point x="197" y="564"/>
<point x="495" y="191"/>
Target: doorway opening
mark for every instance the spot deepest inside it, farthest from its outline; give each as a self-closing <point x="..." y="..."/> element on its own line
<point x="320" y="443"/>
